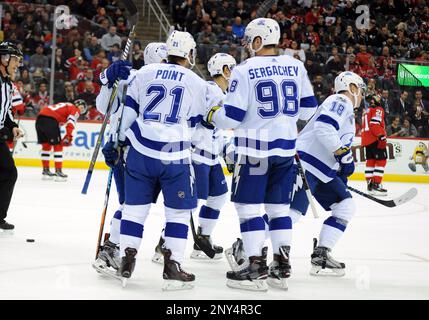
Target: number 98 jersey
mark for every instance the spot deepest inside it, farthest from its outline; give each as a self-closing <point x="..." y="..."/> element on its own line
<point x="267" y="95"/>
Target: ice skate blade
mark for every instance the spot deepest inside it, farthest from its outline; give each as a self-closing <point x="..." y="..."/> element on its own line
<point x="124" y="282"/>
<point x="278" y="283"/>
<point x="317" y="271"/>
<point x="6" y="233"/>
<point x="232" y="263"/>
<point x="47" y="178"/>
<point x="200" y="255"/>
<point x="103" y="269"/>
<point x="58" y="179"/>
<point x="174" y="285"/>
<point x="255" y="285"/>
<point x="158" y="258"/>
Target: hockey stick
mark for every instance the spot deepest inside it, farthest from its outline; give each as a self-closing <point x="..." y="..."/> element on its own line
<point x="109" y="178"/>
<point x="407" y="196"/>
<point x="132" y="9"/>
<point x="202" y="245"/>
<point x="306" y="187"/>
<point x="24" y="143"/>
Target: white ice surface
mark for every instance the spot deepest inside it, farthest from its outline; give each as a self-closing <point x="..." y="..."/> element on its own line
<point x="386" y="251"/>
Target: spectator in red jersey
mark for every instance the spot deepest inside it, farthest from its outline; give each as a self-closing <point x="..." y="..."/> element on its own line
<point x="88" y="76"/>
<point x="352" y="65"/>
<point x="74" y="65"/>
<point x="370" y="71"/>
<point x="89" y="94"/>
<point x="363" y="56"/>
<point x="48" y="124"/>
<point x="312" y="16"/>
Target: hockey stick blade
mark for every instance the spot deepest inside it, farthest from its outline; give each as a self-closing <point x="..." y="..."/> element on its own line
<point x="205" y="248"/>
<point x="132" y="10"/>
<point x="407" y="196"/>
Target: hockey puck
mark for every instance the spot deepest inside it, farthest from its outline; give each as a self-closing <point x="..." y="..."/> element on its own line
<point x="30" y="240"/>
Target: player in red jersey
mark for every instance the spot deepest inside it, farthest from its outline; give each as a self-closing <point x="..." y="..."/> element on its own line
<point x="18" y="108"/>
<point x="48" y="124"/>
<point x="374" y="141"/>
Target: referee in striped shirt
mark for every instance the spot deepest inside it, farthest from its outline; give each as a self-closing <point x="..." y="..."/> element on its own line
<point x="10" y="60"/>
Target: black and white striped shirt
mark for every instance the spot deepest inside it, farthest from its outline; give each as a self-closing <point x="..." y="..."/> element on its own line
<point x="6" y="90"/>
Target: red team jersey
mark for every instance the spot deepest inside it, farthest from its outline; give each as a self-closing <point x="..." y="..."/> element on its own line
<point x="372" y="125"/>
<point x="64" y="112"/>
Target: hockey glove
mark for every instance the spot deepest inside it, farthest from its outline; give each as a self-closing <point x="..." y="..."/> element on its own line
<point x="111" y="154"/>
<point x="209" y="116"/>
<point x="344" y="157"/>
<point x="118" y="70"/>
<point x="67" y="140"/>
<point x="382" y="142"/>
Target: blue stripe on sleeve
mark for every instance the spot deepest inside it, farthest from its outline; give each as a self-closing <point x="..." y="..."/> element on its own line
<point x="130" y="102"/>
<point x="234" y="113"/>
<point x="319" y="165"/>
<point x="264" y="145"/>
<point x="327" y="119"/>
<point x="308" y="102"/>
<point x="175" y="146"/>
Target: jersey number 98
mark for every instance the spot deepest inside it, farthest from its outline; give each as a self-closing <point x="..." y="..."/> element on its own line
<point x="267" y="93"/>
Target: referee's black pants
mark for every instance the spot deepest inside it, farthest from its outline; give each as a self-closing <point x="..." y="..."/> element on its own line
<point x="8" y="176"/>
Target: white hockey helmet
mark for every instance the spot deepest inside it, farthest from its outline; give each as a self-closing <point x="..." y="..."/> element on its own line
<point x="155" y="52"/>
<point x="267" y="29"/>
<point x="182" y="44"/>
<point x="218" y="61"/>
<point x="345" y="79"/>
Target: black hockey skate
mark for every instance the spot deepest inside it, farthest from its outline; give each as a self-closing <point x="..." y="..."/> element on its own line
<point x="253" y="277"/>
<point x="280" y="269"/>
<point x="47" y="174"/>
<point x="158" y="256"/>
<point x="108" y="257"/>
<point x="322" y="263"/>
<point x="175" y="278"/>
<point x="128" y="263"/>
<point x="378" y="190"/>
<point x="236" y="256"/>
<point x="6" y="228"/>
<point x="60" y="176"/>
<point x="197" y="253"/>
<point x="369" y="185"/>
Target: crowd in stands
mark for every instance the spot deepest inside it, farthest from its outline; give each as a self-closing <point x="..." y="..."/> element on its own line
<point x="84" y="49"/>
<point x="322" y="34"/>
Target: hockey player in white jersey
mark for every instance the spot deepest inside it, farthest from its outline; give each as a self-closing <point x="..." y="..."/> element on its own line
<point x="155" y="52"/>
<point x="324" y="147"/>
<point x="161" y="100"/>
<point x="267" y="95"/>
<point x="208" y="143"/>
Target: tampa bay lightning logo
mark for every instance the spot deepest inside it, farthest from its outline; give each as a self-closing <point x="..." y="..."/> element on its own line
<point x="261" y="23"/>
<point x="347" y="139"/>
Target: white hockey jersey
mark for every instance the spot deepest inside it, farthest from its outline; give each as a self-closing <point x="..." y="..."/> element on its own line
<point x="267" y="95"/>
<point x="102" y="102"/>
<point x="163" y="101"/>
<point x="207" y="142"/>
<point x="332" y="127"/>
